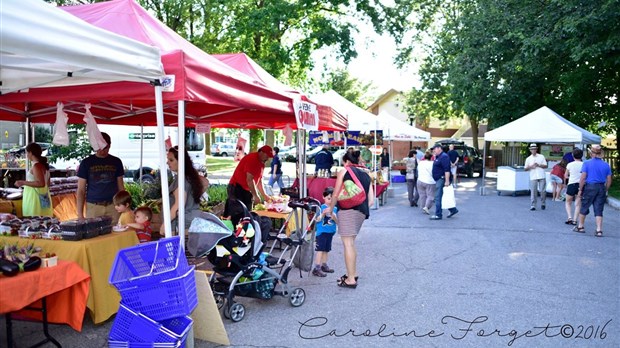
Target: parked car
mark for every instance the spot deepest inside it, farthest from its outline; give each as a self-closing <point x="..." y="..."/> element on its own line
<point x="470" y="159"/>
<point x="311" y="155"/>
<point x="291" y="155"/>
<point x="223" y="149"/>
<point x="20" y="152"/>
<point x="285" y="151"/>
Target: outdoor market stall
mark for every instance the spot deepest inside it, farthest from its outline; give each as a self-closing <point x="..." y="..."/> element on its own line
<point x="540" y="126"/>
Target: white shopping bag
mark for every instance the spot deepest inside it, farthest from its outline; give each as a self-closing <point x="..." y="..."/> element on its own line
<point x="61" y="135"/>
<point x="447" y="200"/>
<point x="97" y="142"/>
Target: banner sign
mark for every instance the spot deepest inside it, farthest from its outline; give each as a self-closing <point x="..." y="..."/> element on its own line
<point x="354" y="138"/>
<point x="202" y="128"/>
<point x="306" y="115"/>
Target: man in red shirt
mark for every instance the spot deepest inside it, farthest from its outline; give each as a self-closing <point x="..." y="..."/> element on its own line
<point x="247" y="180"/>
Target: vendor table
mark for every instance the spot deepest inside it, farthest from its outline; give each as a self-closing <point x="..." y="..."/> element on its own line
<point x="62" y="292"/>
<point x="65" y="206"/>
<point x="291" y="226"/>
<point x="95" y="256"/>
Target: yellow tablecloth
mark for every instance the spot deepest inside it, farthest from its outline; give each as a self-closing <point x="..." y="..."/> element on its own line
<point x="95" y="256"/>
<point x="292" y="225"/>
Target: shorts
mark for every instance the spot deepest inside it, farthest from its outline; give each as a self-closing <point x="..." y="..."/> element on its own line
<point x="556" y="179"/>
<point x="572" y="189"/>
<point x="593" y="195"/>
<point x="323" y="242"/>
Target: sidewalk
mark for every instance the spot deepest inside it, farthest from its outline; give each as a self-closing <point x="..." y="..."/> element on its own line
<point x="496" y="267"/>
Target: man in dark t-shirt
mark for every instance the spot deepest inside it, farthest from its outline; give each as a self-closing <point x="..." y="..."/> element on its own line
<point x="100" y="177"/>
<point x="441" y="175"/>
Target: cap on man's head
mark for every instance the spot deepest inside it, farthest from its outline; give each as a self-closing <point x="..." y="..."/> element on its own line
<point x="596" y="149"/>
<point x="267" y="150"/>
<point x="533" y="146"/>
<point x="436" y="146"/>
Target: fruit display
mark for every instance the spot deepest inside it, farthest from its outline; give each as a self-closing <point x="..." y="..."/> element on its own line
<point x="260" y="206"/>
<point x="14" y="258"/>
<point x="278" y="203"/>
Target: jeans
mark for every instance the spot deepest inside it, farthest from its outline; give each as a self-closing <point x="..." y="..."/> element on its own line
<point x="278" y="179"/>
<point x="438" y="194"/>
<point x="541" y="186"/>
<point x="412" y="191"/>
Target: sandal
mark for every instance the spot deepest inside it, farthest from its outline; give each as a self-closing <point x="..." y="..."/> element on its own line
<point x="569" y="221"/>
<point x="579" y="229"/>
<point x="599" y="233"/>
<point x="344" y="276"/>
<point x="343" y="284"/>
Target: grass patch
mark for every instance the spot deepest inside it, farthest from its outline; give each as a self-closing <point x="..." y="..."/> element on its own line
<point x="614" y="190"/>
<point x="216" y="164"/>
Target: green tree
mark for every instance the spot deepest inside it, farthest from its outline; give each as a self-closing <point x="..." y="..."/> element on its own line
<point x="78" y="148"/>
<point x="348" y="87"/>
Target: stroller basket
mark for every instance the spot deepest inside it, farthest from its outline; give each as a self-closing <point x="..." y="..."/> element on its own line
<point x="131" y="329"/>
<point x="148" y="264"/>
<point x="262" y="288"/>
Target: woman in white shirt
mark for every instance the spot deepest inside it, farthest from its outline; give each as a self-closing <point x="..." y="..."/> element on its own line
<point x="426" y="183"/>
<point x="573" y="174"/>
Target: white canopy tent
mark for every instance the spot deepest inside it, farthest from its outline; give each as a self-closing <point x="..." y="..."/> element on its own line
<point x="397" y="130"/>
<point x="43" y="46"/>
<point x="358" y="118"/>
<point x="540" y="126"/>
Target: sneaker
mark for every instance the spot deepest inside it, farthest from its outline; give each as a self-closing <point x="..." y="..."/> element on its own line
<point x="318" y="273"/>
<point x="532" y="208"/>
<point x="435" y="217"/>
<point x="453" y="213"/>
<point x="542" y="207"/>
<point x="411" y="204"/>
<point x="326" y="269"/>
<point x="425" y="210"/>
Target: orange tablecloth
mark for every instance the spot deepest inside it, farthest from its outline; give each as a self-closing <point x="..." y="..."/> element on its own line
<point x="95" y="256"/>
<point x="65" y="286"/>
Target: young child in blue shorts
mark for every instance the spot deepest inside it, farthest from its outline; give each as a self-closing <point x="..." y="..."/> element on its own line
<point x="325" y="229"/>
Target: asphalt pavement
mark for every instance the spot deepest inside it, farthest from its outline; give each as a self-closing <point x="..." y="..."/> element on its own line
<point x="494" y="275"/>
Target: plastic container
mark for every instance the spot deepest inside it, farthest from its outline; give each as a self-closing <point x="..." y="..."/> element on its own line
<point x="133" y="329"/>
<point x="163" y="299"/>
<point x="398" y="178"/>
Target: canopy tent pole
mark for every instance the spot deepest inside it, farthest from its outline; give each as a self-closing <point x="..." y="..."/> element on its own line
<point x="27" y="142"/>
<point x="484" y="169"/>
<point x="374" y="165"/>
<point x="141" y="151"/>
<point x="181" y="174"/>
<point x="163" y="176"/>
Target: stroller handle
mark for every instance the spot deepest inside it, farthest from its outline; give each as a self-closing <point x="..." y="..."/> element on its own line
<point x="306" y="203"/>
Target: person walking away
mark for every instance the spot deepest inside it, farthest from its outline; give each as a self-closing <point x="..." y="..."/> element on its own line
<point x="594" y="186"/>
<point x="36" y="199"/>
<point x="441" y="175"/>
<point x="573" y="175"/>
<point x="100" y="177"/>
<point x="324" y="160"/>
<point x="557" y="180"/>
<point x="194" y="187"/>
<point x="536" y="163"/>
<point x="325" y="230"/>
<point x="454" y="159"/>
<point x="350" y="220"/>
<point x="246" y="183"/>
<point x="426" y="183"/>
<point x="276" y="170"/>
<point x="412" y="178"/>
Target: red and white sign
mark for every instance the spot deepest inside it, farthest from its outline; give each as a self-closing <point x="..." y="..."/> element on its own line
<point x="306" y="115"/>
<point x="376" y="149"/>
<point x="202" y="128"/>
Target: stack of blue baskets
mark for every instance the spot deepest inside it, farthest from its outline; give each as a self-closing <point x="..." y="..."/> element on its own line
<point x="158" y="292"/>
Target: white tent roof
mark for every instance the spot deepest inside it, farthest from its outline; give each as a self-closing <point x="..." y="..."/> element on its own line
<point x="359" y="119"/>
<point x="397" y="130"/>
<point x="544" y="126"/>
<point x="41" y="45"/>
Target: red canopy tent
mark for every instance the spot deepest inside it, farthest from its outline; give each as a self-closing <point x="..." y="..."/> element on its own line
<point x="213" y="92"/>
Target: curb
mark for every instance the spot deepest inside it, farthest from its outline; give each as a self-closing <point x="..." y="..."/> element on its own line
<point x="613" y="202"/>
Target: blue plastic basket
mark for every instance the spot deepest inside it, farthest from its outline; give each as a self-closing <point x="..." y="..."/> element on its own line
<point x="132" y="329"/>
<point x="398" y="178"/>
<point x="164" y="299"/>
<point x="148" y="263"/>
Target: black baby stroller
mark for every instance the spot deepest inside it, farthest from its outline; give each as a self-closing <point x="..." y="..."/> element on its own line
<point x="240" y="266"/>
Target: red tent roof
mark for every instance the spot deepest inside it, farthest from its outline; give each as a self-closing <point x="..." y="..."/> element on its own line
<point x="214" y="92"/>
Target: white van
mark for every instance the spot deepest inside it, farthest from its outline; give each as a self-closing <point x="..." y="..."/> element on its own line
<point x="126" y="144"/>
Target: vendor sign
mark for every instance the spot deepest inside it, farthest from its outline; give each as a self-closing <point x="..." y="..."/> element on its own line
<point x="354" y="138"/>
<point x="555" y="152"/>
<point x="306" y="115"/>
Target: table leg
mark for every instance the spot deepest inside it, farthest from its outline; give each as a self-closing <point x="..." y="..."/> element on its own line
<point x="9" y="331"/>
<point x="48" y="337"/>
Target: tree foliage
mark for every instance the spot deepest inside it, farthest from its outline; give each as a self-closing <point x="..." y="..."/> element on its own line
<point x="347" y="86"/>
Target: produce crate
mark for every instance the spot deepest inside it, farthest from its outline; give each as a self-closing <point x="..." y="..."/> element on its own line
<point x="133" y="329"/>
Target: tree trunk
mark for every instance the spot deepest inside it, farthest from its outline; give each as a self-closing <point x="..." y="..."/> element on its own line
<point x="474" y="131"/>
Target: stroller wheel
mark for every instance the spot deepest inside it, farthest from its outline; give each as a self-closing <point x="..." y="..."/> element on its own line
<point x="297" y="298"/>
<point x="220" y="300"/>
<point x="237" y="312"/>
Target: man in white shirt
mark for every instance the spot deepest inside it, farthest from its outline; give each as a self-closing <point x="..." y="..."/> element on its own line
<point x="536" y="164"/>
